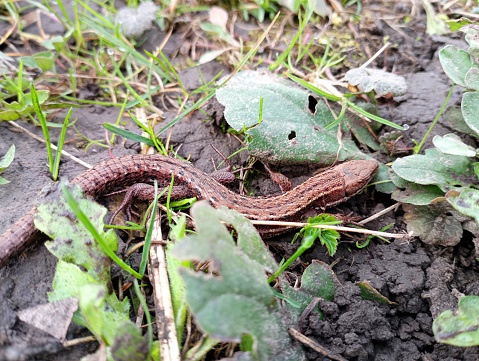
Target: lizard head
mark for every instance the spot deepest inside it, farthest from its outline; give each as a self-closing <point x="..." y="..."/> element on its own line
<point x="356" y="174"/>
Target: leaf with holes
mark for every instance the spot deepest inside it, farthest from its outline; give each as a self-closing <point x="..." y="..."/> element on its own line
<point x="284" y="124"/>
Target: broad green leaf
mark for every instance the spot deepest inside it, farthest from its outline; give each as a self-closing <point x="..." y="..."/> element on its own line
<point x="383" y="181"/>
<point x="72" y="241"/>
<point x="233" y="300"/>
<point x="472" y="79"/>
<point x="454" y="119"/>
<point x="460" y="328"/>
<point x="105" y="324"/>
<point x="457" y="24"/>
<point x="379" y="81"/>
<point x="452" y="144"/>
<point x="466" y="202"/>
<point x="248" y="241"/>
<point x="434" y="224"/>
<point x="361" y="133"/>
<point x="43" y="61"/>
<point x="472" y="32"/>
<point x="318" y="280"/>
<point x="368" y="292"/>
<point x="417" y="194"/>
<point x="435" y="167"/>
<point x="11" y="88"/>
<point x="15" y="110"/>
<point x="220" y="32"/>
<point x="68" y="281"/>
<point x="129" y="344"/>
<point x="436" y="24"/>
<point x="470" y="110"/>
<point x="91" y="305"/>
<point x="292" y="126"/>
<point x="7" y="159"/>
<point x="9" y="115"/>
<point x="455" y="63"/>
<point x="55" y="43"/>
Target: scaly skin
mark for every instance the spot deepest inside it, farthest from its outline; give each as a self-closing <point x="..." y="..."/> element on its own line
<point x="322" y="190"/>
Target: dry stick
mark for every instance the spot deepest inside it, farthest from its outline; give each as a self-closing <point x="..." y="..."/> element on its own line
<point x="167" y="337"/>
<point x="337" y="228"/>
<point x="78" y="341"/>
<point x="379" y="52"/>
<point x="314" y="345"/>
<point x="65" y="153"/>
<point x="379" y="214"/>
<point x="141" y="311"/>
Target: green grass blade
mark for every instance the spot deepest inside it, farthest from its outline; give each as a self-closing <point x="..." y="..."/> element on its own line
<point x="43" y="123"/>
<point x="91" y="228"/>
<point x="61" y="142"/>
<point x="149" y="232"/>
<point x="128" y="135"/>
<point x="372" y="116"/>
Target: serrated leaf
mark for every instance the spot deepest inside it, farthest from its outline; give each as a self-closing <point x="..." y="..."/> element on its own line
<point x="72" y="241"/>
<point x="379" y="81"/>
<point x="460" y="328"/>
<point x="234" y="299"/>
<point x="100" y="320"/>
<point x="68" y="281"/>
<point x="433" y="224"/>
<point x="434" y="167"/>
<point x="452" y="144"/>
<point x="470" y="110"/>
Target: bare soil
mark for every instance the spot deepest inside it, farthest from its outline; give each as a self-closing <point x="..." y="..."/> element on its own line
<point x="420" y="279"/>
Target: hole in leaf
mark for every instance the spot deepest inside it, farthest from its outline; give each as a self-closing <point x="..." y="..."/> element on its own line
<point x="292" y="135"/>
<point x="312" y="102"/>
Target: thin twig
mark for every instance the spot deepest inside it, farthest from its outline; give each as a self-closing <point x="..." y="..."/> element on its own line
<point x="65" y="153"/>
<point x="379" y="52"/>
<point x="337" y="228"/>
<point x="314" y="345"/>
<point x="379" y="214"/>
<point x="167" y="337"/>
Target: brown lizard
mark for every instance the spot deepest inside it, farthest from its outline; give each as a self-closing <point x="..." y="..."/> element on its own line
<point x="322" y="190"/>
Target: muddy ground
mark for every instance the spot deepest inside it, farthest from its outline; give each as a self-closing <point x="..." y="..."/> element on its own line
<point x="420" y="279"/>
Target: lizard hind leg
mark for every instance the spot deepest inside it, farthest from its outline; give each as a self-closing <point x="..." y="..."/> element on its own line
<point x="141" y="191"/>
